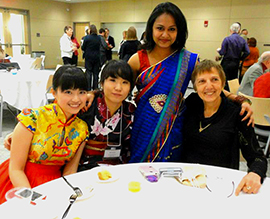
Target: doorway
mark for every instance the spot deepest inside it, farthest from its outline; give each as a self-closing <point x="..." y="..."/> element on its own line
<point x="79" y="32"/>
<point x="14" y="31"/>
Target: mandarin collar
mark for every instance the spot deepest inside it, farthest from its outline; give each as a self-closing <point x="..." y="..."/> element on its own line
<point x="62" y="118"/>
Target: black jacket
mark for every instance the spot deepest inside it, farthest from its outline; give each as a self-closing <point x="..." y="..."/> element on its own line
<point x="91" y="47"/>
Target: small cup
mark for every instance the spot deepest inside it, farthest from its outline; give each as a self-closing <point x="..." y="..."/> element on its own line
<point x="134" y="186"/>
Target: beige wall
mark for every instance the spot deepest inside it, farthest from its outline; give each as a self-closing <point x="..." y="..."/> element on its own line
<point x="252" y="14"/>
<point x="49" y="17"/>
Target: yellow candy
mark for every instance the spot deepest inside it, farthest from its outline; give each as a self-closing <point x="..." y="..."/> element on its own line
<point x="134" y="186"/>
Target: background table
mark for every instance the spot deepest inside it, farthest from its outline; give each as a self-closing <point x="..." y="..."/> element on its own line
<point x="26" y="89"/>
<point x="165" y="199"/>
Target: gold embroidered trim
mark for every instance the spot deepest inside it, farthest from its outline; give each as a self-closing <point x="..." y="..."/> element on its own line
<point x="158" y="102"/>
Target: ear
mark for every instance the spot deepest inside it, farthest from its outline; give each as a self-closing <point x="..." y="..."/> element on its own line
<point x="53" y="92"/>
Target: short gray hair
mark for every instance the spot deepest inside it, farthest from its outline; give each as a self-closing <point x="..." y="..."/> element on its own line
<point x="235" y="28"/>
<point x="265" y="56"/>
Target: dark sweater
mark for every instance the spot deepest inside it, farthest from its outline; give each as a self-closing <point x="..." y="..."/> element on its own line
<point x="129" y="48"/>
<point x="218" y="144"/>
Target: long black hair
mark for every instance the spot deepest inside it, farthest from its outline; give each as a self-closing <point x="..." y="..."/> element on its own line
<point x="180" y="21"/>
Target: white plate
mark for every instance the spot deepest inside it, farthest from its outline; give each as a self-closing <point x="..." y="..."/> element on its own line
<point x="114" y="178"/>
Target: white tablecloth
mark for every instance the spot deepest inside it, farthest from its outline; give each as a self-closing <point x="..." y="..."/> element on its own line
<point x="26" y="89"/>
<point x="165" y="199"/>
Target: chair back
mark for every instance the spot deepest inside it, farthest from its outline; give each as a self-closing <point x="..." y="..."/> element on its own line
<point x="42" y="61"/>
<point x="49" y="84"/>
<point x="48" y="94"/>
<point x="37" y="63"/>
<point x="233" y="85"/>
<point x="57" y="66"/>
<point x="260" y="107"/>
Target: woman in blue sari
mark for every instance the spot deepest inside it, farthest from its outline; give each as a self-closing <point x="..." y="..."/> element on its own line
<point x="163" y="70"/>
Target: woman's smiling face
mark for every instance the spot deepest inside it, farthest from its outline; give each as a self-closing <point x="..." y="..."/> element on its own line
<point x="209" y="86"/>
<point x="164" y="31"/>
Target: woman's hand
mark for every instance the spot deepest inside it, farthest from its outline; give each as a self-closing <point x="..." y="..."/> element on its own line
<point x="247" y="108"/>
<point x="251" y="183"/>
<point x="7" y="141"/>
<point x="90" y="98"/>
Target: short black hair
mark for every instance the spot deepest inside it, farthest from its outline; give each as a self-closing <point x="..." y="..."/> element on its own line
<point x="180" y="21"/>
<point x="69" y="77"/>
<point x="101" y="30"/>
<point x="117" y="68"/>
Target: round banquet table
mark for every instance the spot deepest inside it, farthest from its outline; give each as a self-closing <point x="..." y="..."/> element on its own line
<point x="26" y="89"/>
<point x="166" y="198"/>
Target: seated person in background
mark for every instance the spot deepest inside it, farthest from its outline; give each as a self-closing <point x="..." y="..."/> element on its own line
<point x="252" y="57"/>
<point x="262" y="86"/>
<point x="49" y="137"/>
<point x="211" y="127"/>
<point x="255" y="71"/>
<point x="109" y="118"/>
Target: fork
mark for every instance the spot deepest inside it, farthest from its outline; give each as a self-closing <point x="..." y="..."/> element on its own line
<point x="77" y="190"/>
<point x="72" y="199"/>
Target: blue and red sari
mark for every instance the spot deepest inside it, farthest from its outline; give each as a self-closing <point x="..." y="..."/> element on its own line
<point x="157" y="128"/>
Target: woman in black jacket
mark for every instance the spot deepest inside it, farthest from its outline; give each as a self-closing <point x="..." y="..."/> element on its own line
<point x="91" y="48"/>
<point x="131" y="45"/>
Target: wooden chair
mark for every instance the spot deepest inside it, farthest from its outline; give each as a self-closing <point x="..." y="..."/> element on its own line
<point x="42" y="61"/>
<point x="48" y="95"/>
<point x="261" y="113"/>
<point x="233" y="85"/>
<point x="58" y="66"/>
<point x="37" y="63"/>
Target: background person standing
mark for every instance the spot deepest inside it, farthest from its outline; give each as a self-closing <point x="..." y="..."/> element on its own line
<point x="75" y="53"/>
<point x="66" y="46"/>
<point x="110" y="42"/>
<point x="103" y="47"/>
<point x="91" y="48"/>
<point x="234" y="48"/>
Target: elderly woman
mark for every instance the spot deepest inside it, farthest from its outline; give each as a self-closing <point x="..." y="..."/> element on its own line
<point x="212" y="125"/>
